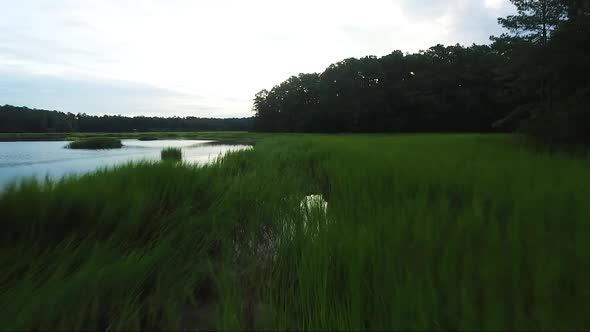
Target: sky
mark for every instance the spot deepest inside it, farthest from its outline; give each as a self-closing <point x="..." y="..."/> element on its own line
<point x="207" y="58"/>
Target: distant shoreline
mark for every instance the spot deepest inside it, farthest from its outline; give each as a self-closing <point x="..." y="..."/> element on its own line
<point x="241" y="137"/>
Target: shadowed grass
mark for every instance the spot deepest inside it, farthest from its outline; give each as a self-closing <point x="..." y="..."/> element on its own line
<point x="95" y="143"/>
<point x="147" y="138"/>
<point x="422" y="232"/>
<point x="171" y="154"/>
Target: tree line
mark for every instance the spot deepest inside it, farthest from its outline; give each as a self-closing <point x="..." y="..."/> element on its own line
<point x="535" y="79"/>
<point x="26" y="120"/>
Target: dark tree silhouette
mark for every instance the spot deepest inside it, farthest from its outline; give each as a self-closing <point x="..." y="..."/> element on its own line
<point x="22" y="119"/>
<point x="441" y="89"/>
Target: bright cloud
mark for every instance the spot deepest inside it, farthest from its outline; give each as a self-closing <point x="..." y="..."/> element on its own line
<point x="208" y="58"/>
<point x="495" y="4"/>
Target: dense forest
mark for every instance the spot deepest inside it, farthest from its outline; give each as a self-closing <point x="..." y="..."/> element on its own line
<point x="22" y="119"/>
<point x="535" y="78"/>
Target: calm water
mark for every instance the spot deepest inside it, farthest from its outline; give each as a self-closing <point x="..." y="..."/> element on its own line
<point x="40" y="159"/>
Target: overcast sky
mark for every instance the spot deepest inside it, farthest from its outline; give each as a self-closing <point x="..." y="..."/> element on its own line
<point x="206" y="58"/>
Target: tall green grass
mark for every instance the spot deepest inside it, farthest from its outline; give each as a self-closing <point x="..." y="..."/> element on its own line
<point x="421" y="232"/>
<point x="171" y="154"/>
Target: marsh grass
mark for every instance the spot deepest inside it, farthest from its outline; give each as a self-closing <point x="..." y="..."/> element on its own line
<point x="147" y="138"/>
<point x="171" y="154"/>
<point x="95" y="143"/>
<point x="425" y="232"/>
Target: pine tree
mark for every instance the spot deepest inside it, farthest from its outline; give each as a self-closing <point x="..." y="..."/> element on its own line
<point x="536" y="19"/>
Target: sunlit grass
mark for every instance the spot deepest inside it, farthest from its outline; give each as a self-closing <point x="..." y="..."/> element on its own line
<point x="420" y="232"/>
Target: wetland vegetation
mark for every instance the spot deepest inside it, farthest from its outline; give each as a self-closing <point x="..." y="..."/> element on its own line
<point x="171" y="154"/>
<point x="420" y="232"/>
<point x="95" y="143"/>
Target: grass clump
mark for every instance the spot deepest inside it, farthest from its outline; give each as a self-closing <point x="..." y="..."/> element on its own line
<point x="96" y="143"/>
<point x="171" y="154"/>
<point x="147" y="138"/>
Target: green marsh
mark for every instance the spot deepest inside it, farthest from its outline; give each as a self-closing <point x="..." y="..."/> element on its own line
<point x="95" y="143"/>
<point x="421" y="232"/>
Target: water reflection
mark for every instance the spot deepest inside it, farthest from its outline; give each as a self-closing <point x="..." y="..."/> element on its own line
<point x="40" y="159"/>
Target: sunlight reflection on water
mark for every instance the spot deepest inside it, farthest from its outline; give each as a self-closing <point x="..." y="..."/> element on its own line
<point x="49" y="158"/>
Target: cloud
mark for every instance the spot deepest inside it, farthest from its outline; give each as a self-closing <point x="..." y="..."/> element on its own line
<point x="427" y="9"/>
<point x="496" y="4"/>
<point x="103" y="97"/>
<point x="467" y="21"/>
